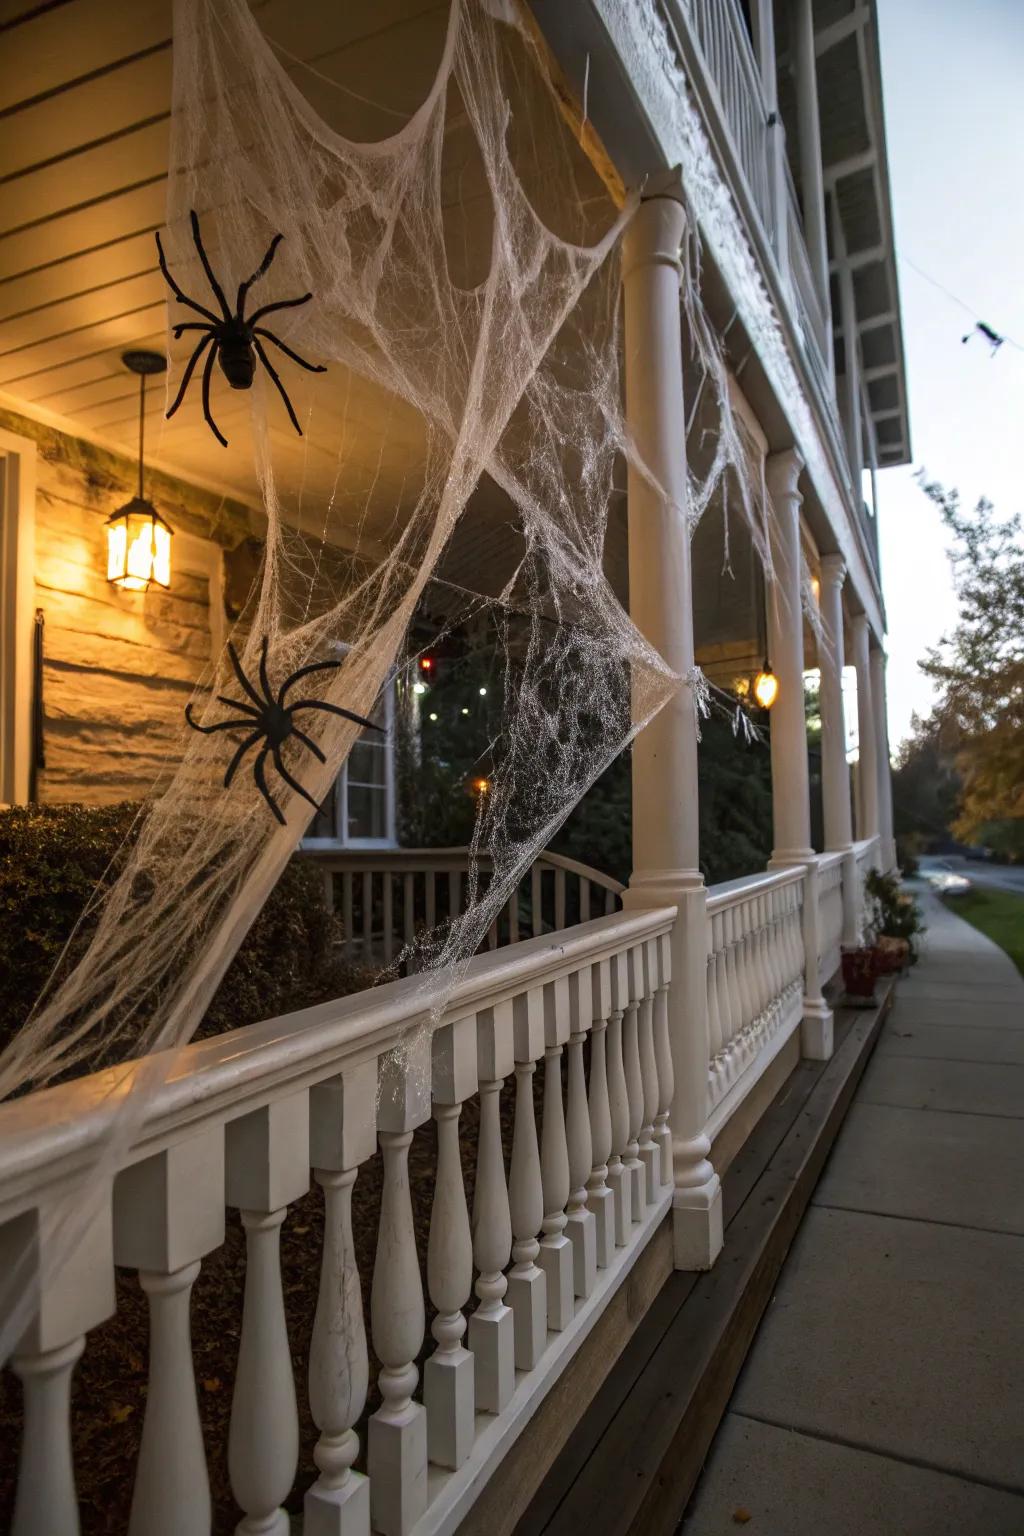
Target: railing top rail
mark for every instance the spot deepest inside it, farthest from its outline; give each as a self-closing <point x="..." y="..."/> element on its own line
<point x="443" y="860"/>
<point x="830" y="860"/>
<point x="864" y="846"/>
<point x="44" y="1135"/>
<point x="730" y="893"/>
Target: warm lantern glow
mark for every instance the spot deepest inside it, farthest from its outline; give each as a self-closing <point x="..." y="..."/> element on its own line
<point x="138" y="547"/>
<point x="426" y="663"/>
<point x="766" y="687"/>
<point x="482" y="786"/>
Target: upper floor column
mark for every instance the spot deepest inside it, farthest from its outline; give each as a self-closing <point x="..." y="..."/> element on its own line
<point x="812" y="180"/>
<point x="665" y="825"/>
<point x="835" y="771"/>
<point x="791" y="812"/>
<point x="867" y="759"/>
<point x="878" y="700"/>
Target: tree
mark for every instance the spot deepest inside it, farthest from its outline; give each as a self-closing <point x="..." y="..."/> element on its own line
<point x="979" y="667"/>
<point x="926" y="791"/>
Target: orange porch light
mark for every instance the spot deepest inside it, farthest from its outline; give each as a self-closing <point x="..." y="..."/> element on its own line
<point x="138" y="547"/>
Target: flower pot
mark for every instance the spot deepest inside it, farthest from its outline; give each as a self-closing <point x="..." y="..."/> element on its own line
<point x="893" y="955"/>
<point x="860" y="971"/>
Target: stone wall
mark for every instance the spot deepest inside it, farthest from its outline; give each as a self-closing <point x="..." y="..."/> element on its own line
<point x="119" y="666"/>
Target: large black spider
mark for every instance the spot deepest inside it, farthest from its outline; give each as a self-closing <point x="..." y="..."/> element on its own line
<point x="270" y="717"/>
<point x="234" y="337"/>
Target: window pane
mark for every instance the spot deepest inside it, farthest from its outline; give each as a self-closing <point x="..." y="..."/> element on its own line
<point x="366" y="811"/>
<point x="366" y="763"/>
<point x="324" y="823"/>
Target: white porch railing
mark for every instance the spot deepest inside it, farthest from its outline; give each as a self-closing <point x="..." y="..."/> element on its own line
<point x="385" y="897"/>
<point x="755" y="979"/>
<point x="810" y="317"/>
<point x="241" y="1121"/>
<point x="830" y="921"/>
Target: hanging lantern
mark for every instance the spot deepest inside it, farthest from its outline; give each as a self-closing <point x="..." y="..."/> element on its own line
<point x="766" y="687"/>
<point x="138" y="539"/>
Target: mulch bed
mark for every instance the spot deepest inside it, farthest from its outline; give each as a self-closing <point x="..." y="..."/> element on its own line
<point x="109" y="1387"/>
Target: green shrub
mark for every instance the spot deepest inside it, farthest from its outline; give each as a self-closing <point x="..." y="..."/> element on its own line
<point x="55" y="858"/>
<point x="893" y="912"/>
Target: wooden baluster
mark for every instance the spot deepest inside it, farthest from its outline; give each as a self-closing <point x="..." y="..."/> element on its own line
<point x="430" y="899"/>
<point x="454" y="895"/>
<point x="634" y="1083"/>
<point x="555" y="1256"/>
<point x="584" y="899"/>
<point x="650" y="1154"/>
<point x="513" y="916"/>
<point x="71" y="1272"/>
<point x="491" y="1327"/>
<point x="408" y="911"/>
<point x="346" y="912"/>
<point x="527" y="1284"/>
<point x="663" y="1057"/>
<point x="367" y="916"/>
<point x="581" y="1224"/>
<point x="723" y="989"/>
<point x="764" y="991"/>
<point x="448" y="1394"/>
<point x="168" y="1212"/>
<point x="600" y="1199"/>
<point x="733" y="961"/>
<point x="267" y="1169"/>
<point x="387" y="902"/>
<point x="559" y="900"/>
<point x="714" y="1016"/>
<point x="397" y="1453"/>
<point x="343" y="1134"/>
<point x="536" y="899"/>
<point x="619" y="1178"/>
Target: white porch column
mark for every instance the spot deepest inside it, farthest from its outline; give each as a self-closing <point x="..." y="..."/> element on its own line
<point x="791" y="810"/>
<point x="665" y="836"/>
<point x="835" y="770"/>
<point x="812" y="181"/>
<point x="887" y="853"/>
<point x="867" y="763"/>
<point x="850" y="392"/>
<point x="791" y="803"/>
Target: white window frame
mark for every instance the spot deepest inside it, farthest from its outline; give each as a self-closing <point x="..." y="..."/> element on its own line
<point x="390" y="839"/>
<point x="17" y="614"/>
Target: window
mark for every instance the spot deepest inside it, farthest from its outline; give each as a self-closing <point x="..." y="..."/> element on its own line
<point x="360" y="810"/>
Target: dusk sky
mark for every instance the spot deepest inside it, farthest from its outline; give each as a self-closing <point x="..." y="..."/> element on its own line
<point x="955" y="122"/>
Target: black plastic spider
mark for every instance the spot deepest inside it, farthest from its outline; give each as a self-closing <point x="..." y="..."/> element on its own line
<point x="235" y="338"/>
<point x="271" y="718"/>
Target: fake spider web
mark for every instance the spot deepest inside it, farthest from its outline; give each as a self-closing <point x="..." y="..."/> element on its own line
<point x="465" y="284"/>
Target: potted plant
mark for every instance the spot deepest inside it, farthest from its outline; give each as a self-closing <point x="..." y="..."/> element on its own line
<point x="860" y="972"/>
<point x="896" y="918"/>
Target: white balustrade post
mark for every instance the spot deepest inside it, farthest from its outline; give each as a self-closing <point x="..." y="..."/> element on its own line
<point x="666" y="863"/>
<point x="816" y="1024"/>
<point x="527" y="1283"/>
<point x="397" y="1452"/>
<point x="634" y="1083"/>
<point x="74" y="1289"/>
<point x="555" y="1257"/>
<point x="619" y="1179"/>
<point x="600" y="1199"/>
<point x="168" y="1213"/>
<point x="650" y="1153"/>
<point x="835" y="770"/>
<point x="663" y="1058"/>
<point x="492" y="1327"/>
<point x="867" y="751"/>
<point x="791" y="812"/>
<point x="267" y="1169"/>
<point x="581" y="1224"/>
<point x="342" y="1134"/>
<point x="887" y="846"/>
<point x="448" y="1391"/>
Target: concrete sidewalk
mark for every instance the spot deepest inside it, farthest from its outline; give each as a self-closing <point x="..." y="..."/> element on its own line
<point x="884" y="1393"/>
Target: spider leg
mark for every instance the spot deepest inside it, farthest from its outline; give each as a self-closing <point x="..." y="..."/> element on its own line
<point x="218" y="291"/>
<point x="307" y="741"/>
<point x="268" y="365"/>
<point x="207" y="376"/>
<point x="243" y="288"/>
<point x="259" y="774"/>
<point x="309" y="367"/>
<point x="237" y="704"/>
<point x="191" y="325"/>
<point x="250" y="741"/>
<point x="247" y="686"/>
<point x="264" y="679"/>
<point x="186" y="377"/>
<point x="221" y="725"/>
<point x="333" y="709"/>
<point x="182" y="298"/>
<point x="283" y="771"/>
<point x="269" y="309"/>
<point x="314" y="666"/>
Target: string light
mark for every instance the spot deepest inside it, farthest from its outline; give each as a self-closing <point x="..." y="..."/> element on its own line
<point x="432" y="716"/>
<point x="419" y="687"/>
<point x="483" y="693"/>
<point x="766" y="687"/>
<point x="465" y="711"/>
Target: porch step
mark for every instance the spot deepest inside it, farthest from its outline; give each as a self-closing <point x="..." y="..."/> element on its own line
<point x="633" y="1460"/>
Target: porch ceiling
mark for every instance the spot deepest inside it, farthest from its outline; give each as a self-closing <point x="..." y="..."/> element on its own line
<point x="857" y="177"/>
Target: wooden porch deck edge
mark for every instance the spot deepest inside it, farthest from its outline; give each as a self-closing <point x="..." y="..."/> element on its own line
<point x="633" y="1460"/>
